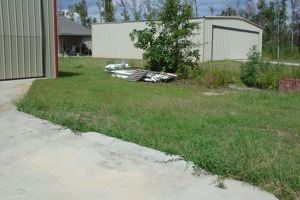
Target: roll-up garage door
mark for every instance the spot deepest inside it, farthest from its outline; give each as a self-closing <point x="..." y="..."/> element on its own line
<point x="232" y="43"/>
<point x="21" y="52"/>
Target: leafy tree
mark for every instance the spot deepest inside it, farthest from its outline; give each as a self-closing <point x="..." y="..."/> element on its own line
<point x="70" y="12"/>
<point x="124" y="13"/>
<point x="150" y="10"/>
<point x="91" y="21"/>
<point x="81" y="9"/>
<point x="99" y="4"/>
<point x="211" y="10"/>
<point x="269" y="36"/>
<point x="261" y="14"/>
<point x="136" y="10"/>
<point x="196" y="4"/>
<point x="60" y="12"/>
<point x="297" y="19"/>
<point x="167" y="44"/>
<point x="108" y="12"/>
<point x="250" y="9"/>
<point x="281" y="17"/>
<point x="230" y="11"/>
<point x="295" y="22"/>
<point x="237" y="7"/>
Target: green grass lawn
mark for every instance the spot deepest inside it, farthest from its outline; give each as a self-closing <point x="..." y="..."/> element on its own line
<point x="253" y="136"/>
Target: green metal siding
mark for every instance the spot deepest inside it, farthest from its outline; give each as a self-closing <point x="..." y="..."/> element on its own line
<point x="27" y="39"/>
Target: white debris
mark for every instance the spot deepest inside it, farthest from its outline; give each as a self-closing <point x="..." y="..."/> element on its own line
<point x="121" y="71"/>
<point x="120" y="76"/>
<point x="162" y="77"/>
<point x="113" y="67"/>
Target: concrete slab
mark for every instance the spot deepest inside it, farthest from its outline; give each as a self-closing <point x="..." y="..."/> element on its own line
<point x="39" y="160"/>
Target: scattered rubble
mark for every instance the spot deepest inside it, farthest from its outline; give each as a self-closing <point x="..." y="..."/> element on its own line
<point x="122" y="71"/>
<point x="137" y="75"/>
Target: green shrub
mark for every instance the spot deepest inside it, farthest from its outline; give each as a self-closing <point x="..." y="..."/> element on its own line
<point x="269" y="79"/>
<point x="216" y="78"/>
<point x="167" y="42"/>
<point x="184" y="72"/>
<point x="250" y="70"/>
<point x="260" y="74"/>
<point x="296" y="72"/>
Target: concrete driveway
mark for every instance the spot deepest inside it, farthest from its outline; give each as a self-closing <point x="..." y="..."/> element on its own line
<point x="39" y="160"/>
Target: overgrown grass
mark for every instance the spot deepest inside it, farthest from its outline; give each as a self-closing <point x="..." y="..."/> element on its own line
<point x="253" y="136"/>
<point x="291" y="57"/>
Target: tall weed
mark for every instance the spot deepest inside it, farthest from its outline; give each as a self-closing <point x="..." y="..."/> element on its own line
<point x="261" y="74"/>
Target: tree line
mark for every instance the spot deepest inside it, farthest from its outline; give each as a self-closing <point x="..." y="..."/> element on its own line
<point x="281" y="38"/>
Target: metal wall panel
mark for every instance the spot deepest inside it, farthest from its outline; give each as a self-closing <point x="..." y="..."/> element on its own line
<point x="27" y="39"/>
<point x="111" y="40"/>
<point x="232" y="44"/>
<point x="231" y="39"/>
<point x="49" y="39"/>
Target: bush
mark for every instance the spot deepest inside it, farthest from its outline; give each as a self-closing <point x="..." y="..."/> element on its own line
<point x="269" y="79"/>
<point x="217" y="78"/>
<point x="185" y="72"/>
<point x="167" y="42"/>
<point x="260" y="74"/>
<point x="250" y="70"/>
<point x="296" y="72"/>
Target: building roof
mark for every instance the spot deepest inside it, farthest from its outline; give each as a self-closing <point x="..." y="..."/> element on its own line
<point x="232" y="17"/>
<point x="66" y="26"/>
<point x="204" y="17"/>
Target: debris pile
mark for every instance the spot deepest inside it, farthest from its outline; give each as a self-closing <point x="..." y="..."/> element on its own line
<point x="113" y="67"/>
<point x="122" y="71"/>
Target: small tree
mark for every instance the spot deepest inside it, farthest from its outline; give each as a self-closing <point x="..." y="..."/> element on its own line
<point x="99" y="4"/>
<point x="124" y="13"/>
<point x="108" y="12"/>
<point x="91" y="21"/>
<point x="82" y="10"/>
<point x="167" y="44"/>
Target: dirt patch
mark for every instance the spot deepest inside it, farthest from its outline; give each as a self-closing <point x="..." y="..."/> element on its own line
<point x="92" y="118"/>
<point x="187" y="82"/>
<point x="6" y="106"/>
<point x="12" y="91"/>
<point x="281" y="133"/>
<point x="211" y="94"/>
<point x="215" y="93"/>
<point x="24" y="88"/>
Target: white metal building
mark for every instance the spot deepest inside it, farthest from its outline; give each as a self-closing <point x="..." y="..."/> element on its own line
<point x="219" y="37"/>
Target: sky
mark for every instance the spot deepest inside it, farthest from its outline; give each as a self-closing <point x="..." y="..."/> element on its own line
<point x="219" y="5"/>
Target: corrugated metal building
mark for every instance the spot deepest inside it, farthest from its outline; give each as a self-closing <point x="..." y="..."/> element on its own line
<point x="219" y="37"/>
<point x="28" y="39"/>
